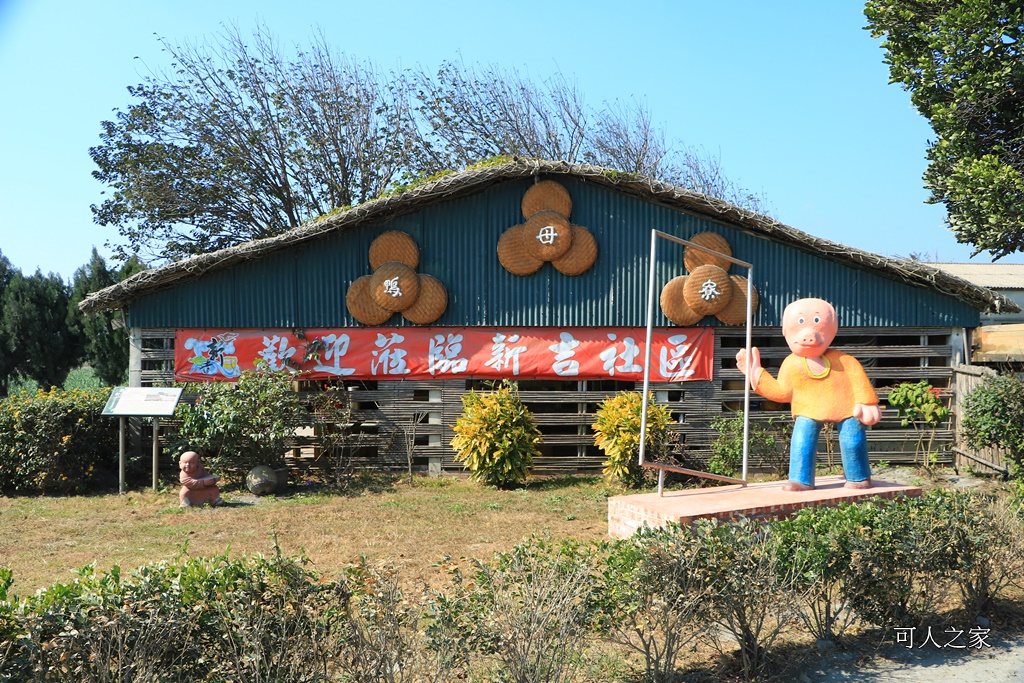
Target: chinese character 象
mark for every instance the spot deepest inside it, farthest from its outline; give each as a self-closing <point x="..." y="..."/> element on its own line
<point x="709" y="290"/>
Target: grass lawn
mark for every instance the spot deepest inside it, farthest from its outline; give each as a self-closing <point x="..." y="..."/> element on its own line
<point x="44" y="538"/>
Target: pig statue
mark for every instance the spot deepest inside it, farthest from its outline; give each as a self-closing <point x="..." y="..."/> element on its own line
<point x="821" y="385"/>
<point x="198" y="487"/>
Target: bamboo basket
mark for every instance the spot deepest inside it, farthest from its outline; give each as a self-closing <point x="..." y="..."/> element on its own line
<point x="735" y="313"/>
<point x="431" y="303"/>
<point x="394" y="245"/>
<point x="581" y="255"/>
<point x="513" y="255"/>
<point x="673" y="303"/>
<point x="362" y="306"/>
<point x="695" y="258"/>
<point x="547" y="195"/>
<point x="547" y="235"/>
<point x="394" y="286"/>
<point x="708" y="289"/>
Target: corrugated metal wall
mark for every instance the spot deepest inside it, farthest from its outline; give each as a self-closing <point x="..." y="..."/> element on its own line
<point x="305" y="286"/>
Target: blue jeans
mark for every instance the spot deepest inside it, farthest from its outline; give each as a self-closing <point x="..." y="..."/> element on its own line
<point x="853" y="443"/>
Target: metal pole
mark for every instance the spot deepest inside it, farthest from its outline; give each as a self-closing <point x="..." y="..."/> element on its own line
<point x="647" y="349"/>
<point x="746" y="378"/>
<point x="156" y="449"/>
<point x="120" y="459"/>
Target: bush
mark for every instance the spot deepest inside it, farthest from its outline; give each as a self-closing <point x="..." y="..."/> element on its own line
<point x="765" y="445"/>
<point x="820" y="542"/>
<point x="617" y="433"/>
<point x="496" y="437"/>
<point x="993" y="416"/>
<point x="56" y="441"/>
<point x="753" y="589"/>
<point x="252" y="619"/>
<point x="537" y="609"/>
<point x="919" y="406"/>
<point x="893" y="579"/>
<point x="236" y="426"/>
<point x="652" y="598"/>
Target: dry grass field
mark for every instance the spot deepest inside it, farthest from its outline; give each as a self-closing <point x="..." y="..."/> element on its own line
<point x="44" y="538"/>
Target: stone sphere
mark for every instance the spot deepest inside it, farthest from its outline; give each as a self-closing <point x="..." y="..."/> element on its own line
<point x="261" y="480"/>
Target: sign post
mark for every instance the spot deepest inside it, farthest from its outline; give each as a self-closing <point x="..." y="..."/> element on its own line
<point x="154" y="402"/>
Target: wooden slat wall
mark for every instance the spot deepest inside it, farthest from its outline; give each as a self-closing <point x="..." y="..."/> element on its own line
<point x="565" y="410"/>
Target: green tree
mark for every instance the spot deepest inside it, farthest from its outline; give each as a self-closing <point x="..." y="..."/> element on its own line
<point x="106" y="348"/>
<point x="40" y="328"/>
<point x="238" y="141"/>
<point x="993" y="416"/>
<point x="8" y="354"/>
<point x="963" y="64"/>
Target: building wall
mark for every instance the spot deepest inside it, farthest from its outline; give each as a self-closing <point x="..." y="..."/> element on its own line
<point x="305" y="286"/>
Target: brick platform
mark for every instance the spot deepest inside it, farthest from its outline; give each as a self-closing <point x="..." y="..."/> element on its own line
<point x="626" y="514"/>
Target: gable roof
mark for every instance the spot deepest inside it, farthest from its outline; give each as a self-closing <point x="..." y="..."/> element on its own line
<point x="474" y="180"/>
<point x="991" y="275"/>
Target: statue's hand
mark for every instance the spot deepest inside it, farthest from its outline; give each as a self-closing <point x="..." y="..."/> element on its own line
<point x="868" y="414"/>
<point x="751" y="369"/>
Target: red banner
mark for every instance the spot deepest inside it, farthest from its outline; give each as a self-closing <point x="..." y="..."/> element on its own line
<point x="678" y="354"/>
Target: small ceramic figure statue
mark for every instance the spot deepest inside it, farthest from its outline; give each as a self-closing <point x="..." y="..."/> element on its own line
<point x="821" y="385"/>
<point x="198" y="487"/>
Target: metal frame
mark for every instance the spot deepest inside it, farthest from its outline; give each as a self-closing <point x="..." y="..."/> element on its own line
<point x="655" y="234"/>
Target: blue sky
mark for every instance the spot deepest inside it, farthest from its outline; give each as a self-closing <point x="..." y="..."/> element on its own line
<point x="793" y="97"/>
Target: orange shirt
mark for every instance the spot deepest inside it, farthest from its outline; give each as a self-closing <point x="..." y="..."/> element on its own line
<point x="828" y="397"/>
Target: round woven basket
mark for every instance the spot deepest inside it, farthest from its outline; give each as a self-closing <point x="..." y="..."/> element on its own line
<point x="708" y="289"/>
<point x="581" y="254"/>
<point x="547" y="195"/>
<point x="394" y="286"/>
<point x="735" y="313"/>
<point x="673" y="303"/>
<point x="394" y="245"/>
<point x="547" y="235"/>
<point x="695" y="258"/>
<point x="513" y="255"/>
<point x="362" y="306"/>
<point x="432" y="301"/>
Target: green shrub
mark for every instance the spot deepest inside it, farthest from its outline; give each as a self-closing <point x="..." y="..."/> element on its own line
<point x="993" y="416"/>
<point x="496" y="437"/>
<point x="893" y="579"/>
<point x="753" y="588"/>
<point x="216" y="619"/>
<point x="652" y="597"/>
<point x="821" y="541"/>
<point x="919" y="406"/>
<point x="617" y="433"/>
<point x="982" y="548"/>
<point x="766" y="444"/>
<point x="56" y="441"/>
<point x="236" y="426"/>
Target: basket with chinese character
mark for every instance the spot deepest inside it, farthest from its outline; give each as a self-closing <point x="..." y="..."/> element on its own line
<point x="361" y="304"/>
<point x="695" y="258"/>
<point x="430" y="304"/>
<point x="673" y="303"/>
<point x="547" y="195"/>
<point x="708" y="289"/>
<point x="513" y="255"/>
<point x="394" y="245"/>
<point x="547" y="235"/>
<point x="735" y="313"/>
<point x="394" y="286"/>
<point x="581" y="254"/>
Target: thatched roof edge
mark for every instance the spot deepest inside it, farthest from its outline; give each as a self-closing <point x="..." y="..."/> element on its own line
<point x="473" y="180"/>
